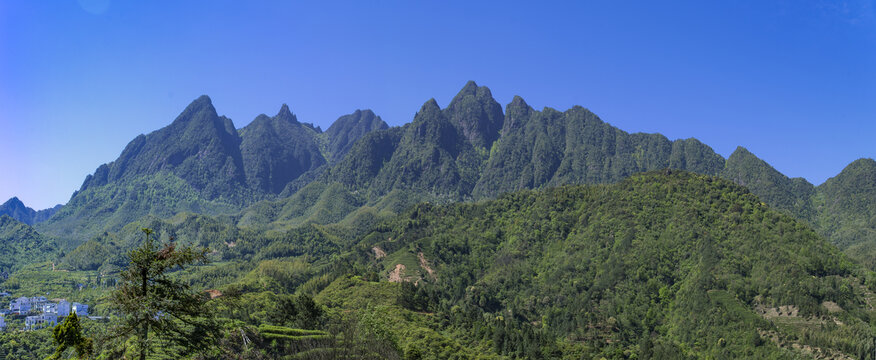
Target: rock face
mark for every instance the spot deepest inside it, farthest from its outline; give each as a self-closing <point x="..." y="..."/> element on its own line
<point x="476" y="114"/>
<point x="200" y="147"/>
<point x="548" y="148"/>
<point x="277" y="150"/>
<point x="347" y="129"/>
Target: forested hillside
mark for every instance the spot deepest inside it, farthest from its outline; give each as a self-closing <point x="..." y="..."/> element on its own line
<point x="666" y="264"/>
<point x="21" y="245"/>
<point x="661" y="265"/>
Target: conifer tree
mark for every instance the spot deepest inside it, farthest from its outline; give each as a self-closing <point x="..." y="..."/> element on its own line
<point x="159" y="309"/>
<point x="68" y="334"/>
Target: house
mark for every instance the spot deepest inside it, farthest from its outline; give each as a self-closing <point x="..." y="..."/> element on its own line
<point x="21" y="305"/>
<point x="80" y="309"/>
<point x="50" y="308"/>
<point x="40" y="321"/>
<point x="63" y="308"/>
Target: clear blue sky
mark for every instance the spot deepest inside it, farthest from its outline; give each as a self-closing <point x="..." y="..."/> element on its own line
<point x="793" y="81"/>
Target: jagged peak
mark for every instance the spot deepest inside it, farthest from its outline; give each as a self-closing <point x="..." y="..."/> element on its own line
<point x="517" y="107"/>
<point x="14" y="200"/>
<point x="198" y="109"/>
<point x="518" y="102"/>
<point x="286" y="114"/>
<point x="472" y="89"/>
<point x="429" y="106"/>
<point x="202" y="100"/>
<point x="741" y="151"/>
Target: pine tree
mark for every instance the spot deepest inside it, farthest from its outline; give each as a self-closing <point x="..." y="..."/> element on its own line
<point x="68" y="334"/>
<point x="158" y="309"/>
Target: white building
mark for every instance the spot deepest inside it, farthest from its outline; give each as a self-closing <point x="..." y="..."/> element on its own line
<point x="80" y="309"/>
<point x="63" y="308"/>
<point x="40" y="321"/>
<point x="21" y="305"/>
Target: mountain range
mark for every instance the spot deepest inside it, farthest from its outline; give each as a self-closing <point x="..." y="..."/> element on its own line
<point x="470" y="150"/>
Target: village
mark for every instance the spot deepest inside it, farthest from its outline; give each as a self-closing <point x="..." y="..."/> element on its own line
<point x="40" y="312"/>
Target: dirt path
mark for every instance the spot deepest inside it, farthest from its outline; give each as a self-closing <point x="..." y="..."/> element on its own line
<point x="425" y="265"/>
<point x="396" y="275"/>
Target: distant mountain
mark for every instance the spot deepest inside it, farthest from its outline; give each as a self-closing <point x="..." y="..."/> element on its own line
<point x="347" y="129"/>
<point x="277" y="150"/>
<point x="16" y="209"/>
<point x="476" y="114"/>
<point x="200" y="147"/>
<point x="432" y="156"/>
<point x="774" y="188"/>
<point x="845" y="208"/>
<point x="472" y="150"/>
<point x="201" y="163"/>
<point x="549" y="148"/>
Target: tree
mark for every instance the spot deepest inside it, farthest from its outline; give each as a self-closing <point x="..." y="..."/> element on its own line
<point x="159" y="309"/>
<point x="68" y="334"/>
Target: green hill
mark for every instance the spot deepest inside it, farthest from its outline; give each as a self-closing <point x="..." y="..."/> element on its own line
<point x="661" y="265"/>
<point x="21" y="245"/>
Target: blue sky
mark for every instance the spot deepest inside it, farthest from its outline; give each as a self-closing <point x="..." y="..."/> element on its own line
<point x="792" y="81"/>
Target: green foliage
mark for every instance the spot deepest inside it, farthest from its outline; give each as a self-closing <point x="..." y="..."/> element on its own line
<point x="673" y="261"/>
<point x="148" y="299"/>
<point x="98" y="209"/>
<point x="68" y="335"/>
<point x="774" y="188"/>
<point x="20" y="244"/>
<point x="846" y="207"/>
<point x="26" y="345"/>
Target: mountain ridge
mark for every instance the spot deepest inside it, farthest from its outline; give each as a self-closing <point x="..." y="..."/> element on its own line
<point x="16" y="209"/>
<point x="467" y="151"/>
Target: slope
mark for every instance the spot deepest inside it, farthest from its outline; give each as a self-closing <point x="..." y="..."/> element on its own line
<point x="20" y="245"/>
<point x="664" y="264"/>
